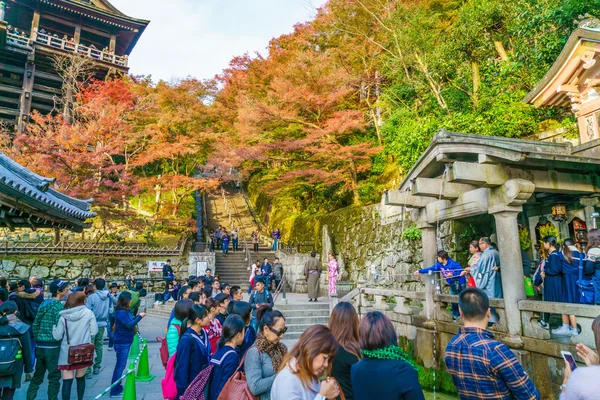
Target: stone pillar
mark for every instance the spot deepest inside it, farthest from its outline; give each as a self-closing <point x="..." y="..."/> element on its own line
<point x="506" y="202"/>
<point x="511" y="269"/>
<point x="428" y="240"/>
<point x="589" y="203"/>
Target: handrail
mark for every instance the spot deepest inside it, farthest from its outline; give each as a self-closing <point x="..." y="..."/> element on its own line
<point x="19" y="40"/>
<point x="280" y="288"/>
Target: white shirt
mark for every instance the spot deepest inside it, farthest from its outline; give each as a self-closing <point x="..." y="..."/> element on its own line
<point x="287" y="386"/>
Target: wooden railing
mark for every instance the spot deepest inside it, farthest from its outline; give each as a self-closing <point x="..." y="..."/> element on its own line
<point x="63" y="44"/>
<point x="18" y="40"/>
<point x="90" y="249"/>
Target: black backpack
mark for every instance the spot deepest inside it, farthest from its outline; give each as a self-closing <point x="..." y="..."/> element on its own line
<point x="9" y="350"/>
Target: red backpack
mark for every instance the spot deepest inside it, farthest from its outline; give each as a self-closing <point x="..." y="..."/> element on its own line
<point x="164" y="347"/>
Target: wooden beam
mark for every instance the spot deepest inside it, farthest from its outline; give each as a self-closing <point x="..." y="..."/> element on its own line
<point x="398" y="198"/>
<point x="487" y="175"/>
<point x="10" y="89"/>
<point x="567" y="89"/>
<point x="10" y="100"/>
<point x="43" y="96"/>
<point x="47" y="89"/>
<point x="12" y="68"/>
<point x="46" y="75"/>
<point x="431" y="188"/>
<point x="9" y="111"/>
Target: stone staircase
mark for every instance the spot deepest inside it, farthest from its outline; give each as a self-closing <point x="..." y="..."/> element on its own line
<point x="300" y="316"/>
<point x="233" y="268"/>
<point x="161" y="311"/>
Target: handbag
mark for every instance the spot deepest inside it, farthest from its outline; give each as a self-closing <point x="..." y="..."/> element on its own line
<point x="236" y="387"/>
<point x="586" y="287"/>
<point x="471" y="281"/>
<point x="82" y="353"/>
<point x="529" y="292"/>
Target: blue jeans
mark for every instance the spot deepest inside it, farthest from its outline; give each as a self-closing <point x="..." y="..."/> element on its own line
<point x="275" y="243"/>
<point x="235" y="243"/>
<point x="121" y="351"/>
<point x="225" y="248"/>
<point x="455" y="312"/>
<point x="111" y="334"/>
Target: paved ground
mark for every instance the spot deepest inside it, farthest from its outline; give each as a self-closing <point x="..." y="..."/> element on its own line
<point x="150" y="328"/>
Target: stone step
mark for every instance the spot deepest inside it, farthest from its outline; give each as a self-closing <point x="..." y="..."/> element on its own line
<point x="301" y="327"/>
<point x="302" y="306"/>
<point x="307" y="320"/>
<point x="304" y="313"/>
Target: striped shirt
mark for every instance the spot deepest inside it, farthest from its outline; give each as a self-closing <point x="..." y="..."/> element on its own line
<point x="485" y="368"/>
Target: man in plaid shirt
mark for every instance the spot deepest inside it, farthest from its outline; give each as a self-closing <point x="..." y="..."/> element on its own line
<point x="482" y="367"/>
<point x="47" y="349"/>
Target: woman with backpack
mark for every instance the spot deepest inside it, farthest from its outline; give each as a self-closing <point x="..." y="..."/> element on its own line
<point x="182" y="310"/>
<point x="226" y="359"/>
<point x="125" y="328"/>
<point x="76" y="326"/>
<point x="17" y="354"/>
<point x="193" y="349"/>
<point x="264" y="358"/>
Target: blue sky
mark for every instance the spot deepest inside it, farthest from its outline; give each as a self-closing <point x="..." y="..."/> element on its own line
<point x="199" y="37"/>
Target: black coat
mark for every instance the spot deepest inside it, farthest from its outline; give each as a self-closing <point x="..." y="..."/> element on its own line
<point x="19" y="331"/>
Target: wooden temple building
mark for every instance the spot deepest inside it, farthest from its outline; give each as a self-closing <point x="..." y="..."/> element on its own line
<point x="28" y="201"/>
<point x="33" y="31"/>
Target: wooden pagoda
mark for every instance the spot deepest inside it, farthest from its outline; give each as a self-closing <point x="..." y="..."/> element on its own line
<point x="32" y="32"/>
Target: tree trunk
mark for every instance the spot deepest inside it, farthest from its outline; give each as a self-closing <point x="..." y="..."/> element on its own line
<point x="476" y="82"/>
<point x="501" y="50"/>
<point x="435" y="87"/>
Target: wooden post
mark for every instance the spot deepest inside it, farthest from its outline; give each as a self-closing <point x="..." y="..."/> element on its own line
<point x="35" y="25"/>
<point x="27" y="95"/>
<point x="113" y="43"/>
<point x="56" y="235"/>
<point x="77" y="35"/>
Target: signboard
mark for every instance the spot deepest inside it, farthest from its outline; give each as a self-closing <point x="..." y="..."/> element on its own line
<point x="201" y="267"/>
<point x="155" y="266"/>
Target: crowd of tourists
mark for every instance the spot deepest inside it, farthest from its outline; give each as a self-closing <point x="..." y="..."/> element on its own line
<point x="567" y="273"/>
<point x="221" y="239"/>
<point x="63" y="334"/>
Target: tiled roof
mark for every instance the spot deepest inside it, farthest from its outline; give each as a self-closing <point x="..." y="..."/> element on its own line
<point x="36" y="189"/>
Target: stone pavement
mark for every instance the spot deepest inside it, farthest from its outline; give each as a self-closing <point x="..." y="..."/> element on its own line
<point x="150" y="328"/>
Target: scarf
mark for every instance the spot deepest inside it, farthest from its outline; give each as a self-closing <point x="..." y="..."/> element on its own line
<point x="275" y="351"/>
<point x="390" y="353"/>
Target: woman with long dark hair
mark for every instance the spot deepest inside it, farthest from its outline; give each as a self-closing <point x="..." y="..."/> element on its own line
<point x="14" y="340"/>
<point x="309" y="359"/>
<point x="264" y="358"/>
<point x="386" y="371"/>
<point x="343" y="323"/>
<point x="571" y="260"/>
<point x="554" y="284"/>
<point x="77" y="325"/>
<point x="244" y="310"/>
<point x="193" y="349"/>
<point x="226" y="359"/>
<point x="592" y="262"/>
<point x="125" y="328"/>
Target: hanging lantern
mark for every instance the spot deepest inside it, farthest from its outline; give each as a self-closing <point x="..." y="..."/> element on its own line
<point x="559" y="212"/>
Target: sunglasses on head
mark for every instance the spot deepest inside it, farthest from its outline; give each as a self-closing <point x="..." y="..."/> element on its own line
<point x="278" y="333"/>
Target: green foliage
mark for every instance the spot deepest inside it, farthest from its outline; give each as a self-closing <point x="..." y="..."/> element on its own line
<point x="524" y="239"/>
<point x="411" y="233"/>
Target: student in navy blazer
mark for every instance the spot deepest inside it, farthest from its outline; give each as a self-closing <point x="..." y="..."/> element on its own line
<point x="193" y="350"/>
<point x="226" y="359"/>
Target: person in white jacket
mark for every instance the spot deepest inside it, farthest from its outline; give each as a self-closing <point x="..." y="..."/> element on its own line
<point x="77" y="325"/>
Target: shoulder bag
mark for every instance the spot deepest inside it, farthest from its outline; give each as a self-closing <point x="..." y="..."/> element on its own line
<point x="82" y="353"/>
<point x="236" y="387"/>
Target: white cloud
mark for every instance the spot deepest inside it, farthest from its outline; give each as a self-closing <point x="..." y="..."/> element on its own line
<point x="199" y="37"/>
